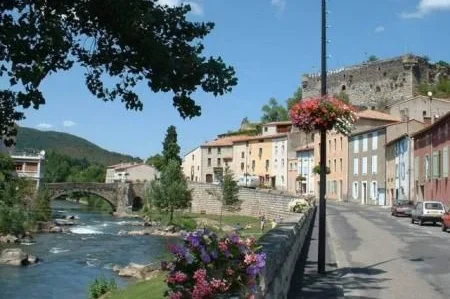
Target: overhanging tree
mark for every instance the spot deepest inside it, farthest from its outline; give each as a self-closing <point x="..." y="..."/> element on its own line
<point x="128" y="41"/>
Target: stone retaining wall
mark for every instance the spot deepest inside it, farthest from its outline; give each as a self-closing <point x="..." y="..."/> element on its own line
<point x="283" y="245"/>
<point x="254" y="202"/>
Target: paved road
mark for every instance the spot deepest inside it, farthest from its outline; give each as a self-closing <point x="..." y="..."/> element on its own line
<point x="380" y="256"/>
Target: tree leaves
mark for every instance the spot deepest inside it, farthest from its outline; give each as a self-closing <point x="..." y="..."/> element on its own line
<point x="128" y="41"/>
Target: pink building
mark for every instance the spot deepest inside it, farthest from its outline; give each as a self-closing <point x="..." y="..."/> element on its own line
<point x="431" y="161"/>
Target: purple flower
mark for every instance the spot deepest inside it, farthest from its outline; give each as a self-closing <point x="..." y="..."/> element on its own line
<point x="253" y="270"/>
<point x="177" y="249"/>
<point x="189" y="258"/>
<point x="261" y="260"/>
<point x="235" y="238"/>
<point x="205" y="256"/>
<point x="214" y="254"/>
<point x="194" y="239"/>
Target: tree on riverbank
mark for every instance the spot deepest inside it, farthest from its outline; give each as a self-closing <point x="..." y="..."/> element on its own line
<point x="119" y="44"/>
<point x="170" y="192"/>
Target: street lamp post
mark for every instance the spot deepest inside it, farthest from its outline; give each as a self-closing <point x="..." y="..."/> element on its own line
<point x="323" y="150"/>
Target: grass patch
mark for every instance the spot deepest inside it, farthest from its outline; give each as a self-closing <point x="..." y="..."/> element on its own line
<point x="153" y="289"/>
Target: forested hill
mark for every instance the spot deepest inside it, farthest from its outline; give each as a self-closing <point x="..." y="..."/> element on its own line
<point x="63" y="143"/>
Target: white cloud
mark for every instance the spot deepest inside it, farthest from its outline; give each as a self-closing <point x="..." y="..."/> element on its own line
<point x="426" y="7"/>
<point x="69" y="123"/>
<point x="379" y="29"/>
<point x="196" y="8"/>
<point x="45" y="126"/>
<point x="279" y="4"/>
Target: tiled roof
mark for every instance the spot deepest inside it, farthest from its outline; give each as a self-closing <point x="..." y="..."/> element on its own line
<point x="284" y="122"/>
<point x="307" y="147"/>
<point x="438" y="121"/>
<point x="419" y="97"/>
<point x="120" y="165"/>
<point x="249" y="138"/>
<point x="373" y="114"/>
<point x="227" y="141"/>
<point x="131" y="166"/>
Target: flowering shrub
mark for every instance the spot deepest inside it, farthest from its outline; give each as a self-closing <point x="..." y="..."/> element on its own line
<point x="298" y="205"/>
<point x="323" y="114"/>
<point x="206" y="266"/>
<point x="316" y="169"/>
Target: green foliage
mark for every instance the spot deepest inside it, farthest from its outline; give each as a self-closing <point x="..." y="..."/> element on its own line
<point x="42" y="208"/>
<point x="297" y="96"/>
<point x="440" y="90"/>
<point x="273" y="111"/>
<point x="343" y="96"/>
<point x="6" y="168"/>
<point x="171" y="149"/>
<point x="372" y="58"/>
<point x="148" y="289"/>
<point x="443" y="63"/>
<point x="101" y="286"/>
<point x="133" y="42"/>
<point x="230" y="191"/>
<point x="170" y="192"/>
<point x="156" y="161"/>
<point x="68" y="145"/>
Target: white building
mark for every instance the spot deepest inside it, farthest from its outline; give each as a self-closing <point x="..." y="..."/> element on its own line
<point x="279" y="162"/>
<point x="305" y="155"/>
<point x="130" y="172"/>
<point x="192" y="165"/>
<point x="30" y="166"/>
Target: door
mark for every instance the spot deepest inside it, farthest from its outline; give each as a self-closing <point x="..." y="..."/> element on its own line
<point x="209" y="178"/>
<point x="364" y="193"/>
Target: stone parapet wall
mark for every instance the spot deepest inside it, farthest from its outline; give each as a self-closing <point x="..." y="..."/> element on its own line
<point x="283" y="245"/>
<point x="254" y="202"/>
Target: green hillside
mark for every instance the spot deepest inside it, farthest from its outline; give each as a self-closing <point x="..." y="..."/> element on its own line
<point x="63" y="143"/>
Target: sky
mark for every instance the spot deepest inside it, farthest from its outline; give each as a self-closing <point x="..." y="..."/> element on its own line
<point x="270" y="43"/>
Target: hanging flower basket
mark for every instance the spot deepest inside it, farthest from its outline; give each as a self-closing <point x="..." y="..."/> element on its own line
<point x="300" y="178"/>
<point x="327" y="113"/>
<point x="316" y="169"/>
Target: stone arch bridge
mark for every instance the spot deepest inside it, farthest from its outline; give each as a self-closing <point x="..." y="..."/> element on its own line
<point x="118" y="195"/>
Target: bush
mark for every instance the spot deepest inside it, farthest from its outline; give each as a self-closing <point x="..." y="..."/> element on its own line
<point x="298" y="205"/>
<point x="12" y="219"/>
<point x="101" y="286"/>
<point x="206" y="266"/>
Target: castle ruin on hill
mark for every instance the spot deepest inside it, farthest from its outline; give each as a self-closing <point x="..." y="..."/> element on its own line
<point x="379" y="83"/>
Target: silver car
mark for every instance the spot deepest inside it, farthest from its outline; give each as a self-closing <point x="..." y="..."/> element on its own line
<point x="428" y="211"/>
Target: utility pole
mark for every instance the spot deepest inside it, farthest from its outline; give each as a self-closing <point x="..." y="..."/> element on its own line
<point x="323" y="149"/>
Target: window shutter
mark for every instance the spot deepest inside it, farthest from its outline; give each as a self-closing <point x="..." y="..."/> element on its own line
<point x="445" y="162"/>
<point x="374" y="164"/>
<point x="375" y="140"/>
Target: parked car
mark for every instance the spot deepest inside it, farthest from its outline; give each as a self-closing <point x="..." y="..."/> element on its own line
<point x="428" y="211"/>
<point x="402" y="207"/>
<point x="445" y="221"/>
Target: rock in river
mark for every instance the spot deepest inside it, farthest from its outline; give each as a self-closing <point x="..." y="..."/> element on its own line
<point x="16" y="257"/>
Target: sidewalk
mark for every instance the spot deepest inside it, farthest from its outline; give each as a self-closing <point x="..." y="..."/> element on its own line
<point x="306" y="282"/>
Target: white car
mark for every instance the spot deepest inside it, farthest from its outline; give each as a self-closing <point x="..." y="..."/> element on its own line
<point x="427" y="211"/>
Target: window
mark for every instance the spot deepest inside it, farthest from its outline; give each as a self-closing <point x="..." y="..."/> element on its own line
<point x="427" y="167"/>
<point x="265" y="129"/>
<point x="209" y="162"/>
<point x="445" y="162"/>
<point x="193" y="157"/>
<point x="260" y="152"/>
<point x="242" y="155"/>
<point x="209" y="151"/>
<point x="355" y="190"/>
<point x="267" y="165"/>
<point x="282" y="162"/>
<point x="335" y="144"/>
<point x="374" y="164"/>
<point x="329" y="146"/>
<point x="242" y="166"/>
<point x="364" y="166"/>
<point x="436" y="164"/>
<point x="282" y="179"/>
<point x="355" y="166"/>
<point x="375" y="140"/>
<point x="416" y="168"/>
<point x="275" y="164"/>
<point x="290" y="166"/>
<point x="219" y="162"/>
<point x="340" y="164"/>
<point x="364" y="143"/>
<point x="276" y="149"/>
<point x="397" y="171"/>
<point x="329" y="164"/>
<point x="335" y="165"/>
<point x="355" y="145"/>
<point x="253" y="165"/>
<point x="342" y="139"/>
<point x="218" y="150"/>
<point x="282" y="149"/>
<point x="374" y="190"/>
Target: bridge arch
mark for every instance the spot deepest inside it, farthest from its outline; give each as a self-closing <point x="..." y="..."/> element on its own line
<point x="99" y="194"/>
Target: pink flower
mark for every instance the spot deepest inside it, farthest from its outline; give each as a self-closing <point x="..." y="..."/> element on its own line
<point x="223" y="246"/>
<point x="200" y="275"/>
<point x="219" y="285"/>
<point x="176" y="295"/>
<point x="250" y="258"/>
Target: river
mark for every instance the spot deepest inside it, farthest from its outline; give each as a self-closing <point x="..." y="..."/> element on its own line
<point x="71" y="261"/>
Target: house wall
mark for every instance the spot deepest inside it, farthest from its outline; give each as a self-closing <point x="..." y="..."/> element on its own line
<point x="434" y="187"/>
<point x="238" y="160"/>
<point x="260" y="155"/>
<point x="192" y="165"/>
<point x="292" y="184"/>
<point x="398" y="169"/>
<point x="30" y="166"/>
<point x="306" y="164"/>
<point x="337" y="153"/>
<point x="375" y="195"/>
<point x="419" y="108"/>
<point x="279" y="161"/>
<point x="141" y="173"/>
<point x="213" y="154"/>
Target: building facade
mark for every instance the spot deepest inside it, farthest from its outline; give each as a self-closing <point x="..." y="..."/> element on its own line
<point x="420" y="108"/>
<point x="280" y="161"/>
<point x="366" y="168"/>
<point x="30" y="166"/>
<point x="306" y="163"/>
<point x="431" y="161"/>
<point x="131" y="172"/>
<point x="192" y="162"/>
<point x="398" y="169"/>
